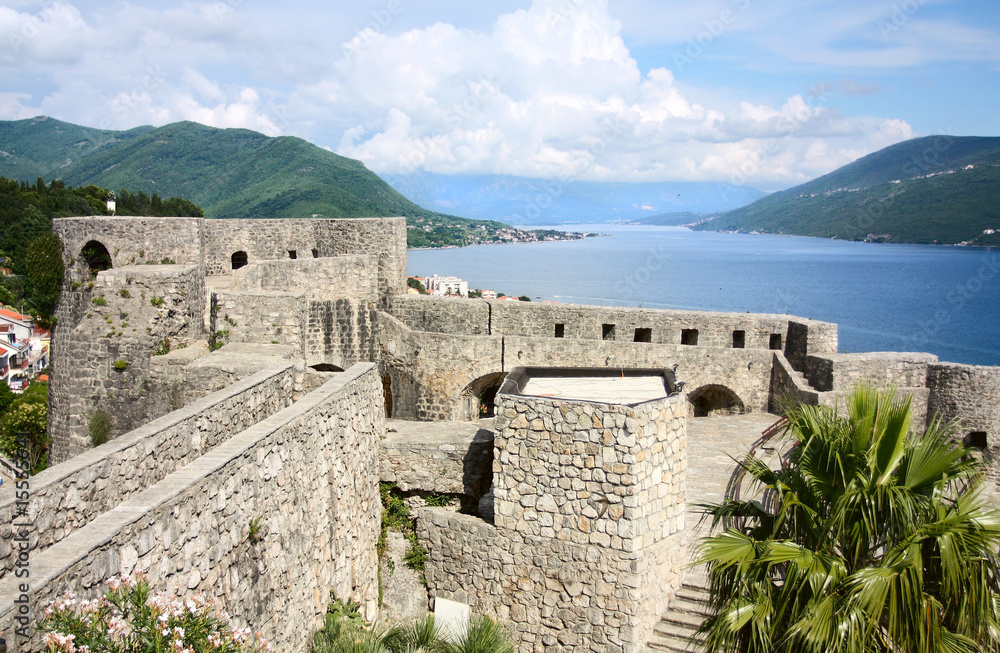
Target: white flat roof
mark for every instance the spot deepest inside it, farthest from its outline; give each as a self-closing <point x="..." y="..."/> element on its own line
<point x="604" y="389"/>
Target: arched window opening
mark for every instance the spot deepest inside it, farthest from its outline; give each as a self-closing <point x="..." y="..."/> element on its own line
<point x="479" y="397"/>
<point x="715" y="400"/>
<point x="96" y="256"/>
<point x="239" y="259"/>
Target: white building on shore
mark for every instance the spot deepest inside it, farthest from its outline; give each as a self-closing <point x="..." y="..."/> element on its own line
<point x="447" y="286"/>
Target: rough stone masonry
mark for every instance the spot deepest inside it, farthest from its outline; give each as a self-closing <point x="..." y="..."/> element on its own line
<point x="581" y="554"/>
<point x="587" y="548"/>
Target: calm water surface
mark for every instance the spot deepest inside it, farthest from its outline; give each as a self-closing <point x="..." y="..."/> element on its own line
<point x="943" y="300"/>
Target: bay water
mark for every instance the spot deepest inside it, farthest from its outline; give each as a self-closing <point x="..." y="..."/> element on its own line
<point x="884" y="297"/>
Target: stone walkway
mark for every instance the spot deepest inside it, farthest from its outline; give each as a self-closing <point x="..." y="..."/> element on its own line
<point x="712" y="443"/>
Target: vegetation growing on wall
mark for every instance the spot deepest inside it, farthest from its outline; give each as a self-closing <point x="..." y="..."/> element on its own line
<point x="99" y="426"/>
<point x="396" y="516"/>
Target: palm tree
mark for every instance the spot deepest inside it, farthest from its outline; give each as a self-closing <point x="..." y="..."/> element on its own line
<point x="482" y="635"/>
<point x="867" y="539"/>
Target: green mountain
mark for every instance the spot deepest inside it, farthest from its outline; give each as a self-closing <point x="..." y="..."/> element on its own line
<point x="937" y="189"/>
<point x="230" y="173"/>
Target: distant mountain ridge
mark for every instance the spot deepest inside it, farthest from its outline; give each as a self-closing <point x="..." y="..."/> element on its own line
<point x="936" y="189"/>
<point x="528" y="201"/>
<point x="232" y="173"/>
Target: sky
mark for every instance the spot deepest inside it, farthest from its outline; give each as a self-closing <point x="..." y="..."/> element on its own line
<point x="764" y="93"/>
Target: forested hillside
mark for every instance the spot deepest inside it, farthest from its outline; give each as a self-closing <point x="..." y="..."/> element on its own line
<point x="30" y="250"/>
<point x="938" y="189"/>
<point x="231" y="173"/>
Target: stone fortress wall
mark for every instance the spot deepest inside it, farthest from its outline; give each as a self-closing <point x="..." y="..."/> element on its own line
<point x="596" y="491"/>
<point x="66" y="497"/>
<point x="299" y="301"/>
<point x="153" y="287"/>
<point x="270" y="519"/>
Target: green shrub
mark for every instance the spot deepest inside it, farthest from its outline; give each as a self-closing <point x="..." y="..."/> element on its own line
<point x="99" y="301"/>
<point x="100" y="427"/>
<point x="156" y="301"/>
<point x="345" y="631"/>
<point x="164" y="348"/>
<point x="125" y="293"/>
<point x="438" y="500"/>
<point x="121" y="365"/>
<point x="255" y="529"/>
<point x="396" y="516"/>
<point x="218" y="339"/>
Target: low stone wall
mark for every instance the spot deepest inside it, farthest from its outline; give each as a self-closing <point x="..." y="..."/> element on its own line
<point x="442" y="314"/>
<point x="427" y="372"/>
<point x="809" y="337"/>
<point x="533" y="319"/>
<point x="268" y="240"/>
<point x="440" y="457"/>
<point x="260" y="317"/>
<point x="67" y="496"/>
<point x="343" y="277"/>
<point x="430" y="372"/>
<point x="663" y="326"/>
<point x="340" y="332"/>
<point x="969" y="395"/>
<point x="839" y="372"/>
<point x="788" y="388"/>
<point x="308" y="473"/>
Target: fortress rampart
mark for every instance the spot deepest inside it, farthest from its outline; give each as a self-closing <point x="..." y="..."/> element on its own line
<point x="66" y="497"/>
<point x="306" y="476"/>
<point x="294" y="440"/>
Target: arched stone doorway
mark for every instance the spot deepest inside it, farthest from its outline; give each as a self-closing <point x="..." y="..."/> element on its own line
<point x="96" y="256"/>
<point x="326" y="367"/>
<point x="715" y="400"/>
<point x="238" y="259"/>
<point x="478" y="399"/>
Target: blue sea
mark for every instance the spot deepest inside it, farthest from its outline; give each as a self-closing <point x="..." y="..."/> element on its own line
<point x="942" y="300"/>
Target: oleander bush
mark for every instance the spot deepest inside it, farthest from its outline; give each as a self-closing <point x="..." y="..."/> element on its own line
<point x="130" y="619"/>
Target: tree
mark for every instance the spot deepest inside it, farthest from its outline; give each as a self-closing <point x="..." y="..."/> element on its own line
<point x="524" y="298"/>
<point x="7" y="397"/>
<point x="867" y="540"/>
<point x="23" y="431"/>
<point x="416" y="284"/>
<point x="45" y="275"/>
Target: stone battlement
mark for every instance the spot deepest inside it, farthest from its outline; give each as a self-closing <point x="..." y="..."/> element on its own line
<point x="251" y="365"/>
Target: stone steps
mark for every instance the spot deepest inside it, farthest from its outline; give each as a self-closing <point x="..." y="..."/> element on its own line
<point x="677" y="630"/>
<point x="711" y="442"/>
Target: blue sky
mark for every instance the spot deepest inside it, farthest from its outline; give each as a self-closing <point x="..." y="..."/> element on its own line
<point x="741" y="91"/>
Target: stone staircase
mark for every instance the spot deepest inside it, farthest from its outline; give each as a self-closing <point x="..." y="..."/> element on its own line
<point x="711" y="443"/>
<point x="677" y="629"/>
